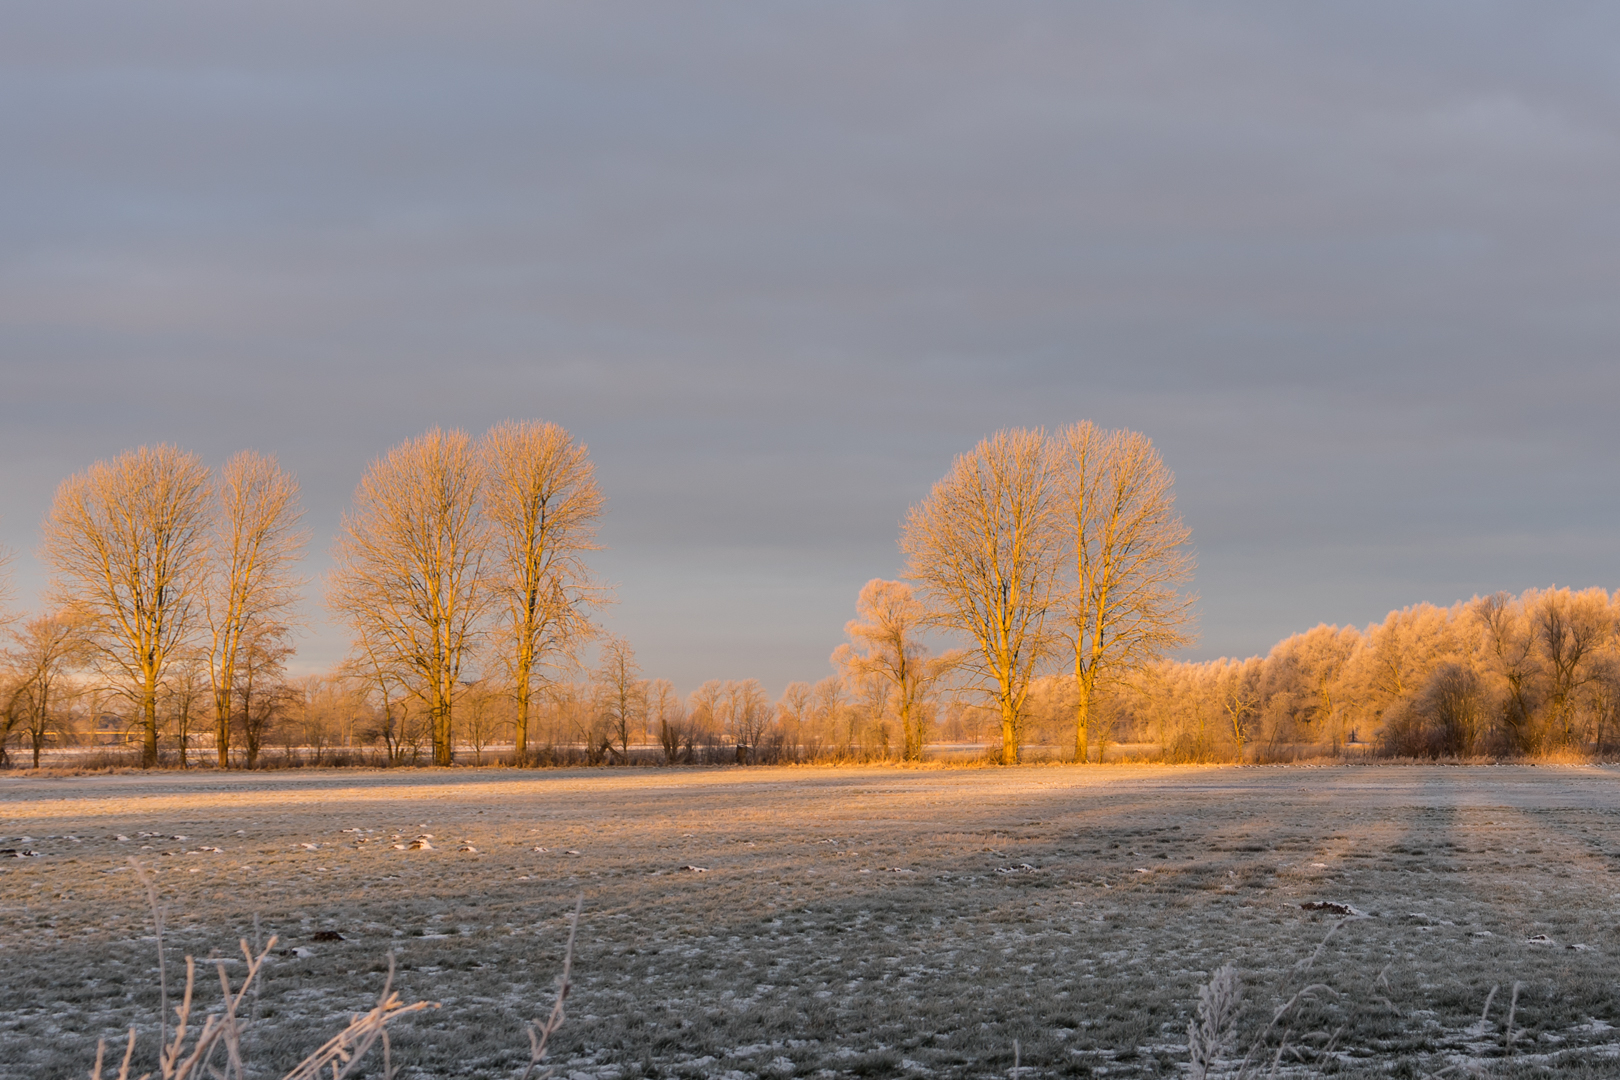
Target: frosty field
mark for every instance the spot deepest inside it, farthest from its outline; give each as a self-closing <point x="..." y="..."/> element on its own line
<point x="851" y="922"/>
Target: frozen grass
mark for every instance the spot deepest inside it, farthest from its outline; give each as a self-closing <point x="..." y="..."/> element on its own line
<point x="850" y="922"/>
<point x="215" y="1050"/>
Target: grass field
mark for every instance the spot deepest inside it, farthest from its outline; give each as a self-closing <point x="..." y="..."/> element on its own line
<point x="851" y="922"/>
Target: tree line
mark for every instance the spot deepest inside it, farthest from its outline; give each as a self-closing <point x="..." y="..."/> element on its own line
<point x="1053" y="566"/>
<point x="461" y="572"/>
<point x="1499" y="676"/>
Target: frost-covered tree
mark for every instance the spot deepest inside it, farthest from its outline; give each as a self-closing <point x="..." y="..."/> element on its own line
<point x="984" y="547"/>
<point x="127" y="542"/>
<point x="886" y="641"/>
<point x="409" y="569"/>
<point x="1120" y="605"/>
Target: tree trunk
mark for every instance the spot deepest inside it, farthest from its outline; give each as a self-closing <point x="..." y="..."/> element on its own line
<point x="38" y="734"/>
<point x="149" y="740"/>
<point x="520" y="735"/>
<point x="222" y="732"/>
<point x="391" y="744"/>
<point x="441" y="729"/>
<point x="250" y="730"/>
<point x="1082" y="717"/>
<point x="909" y="750"/>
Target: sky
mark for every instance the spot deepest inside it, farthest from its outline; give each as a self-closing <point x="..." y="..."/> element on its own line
<point x="1352" y="268"/>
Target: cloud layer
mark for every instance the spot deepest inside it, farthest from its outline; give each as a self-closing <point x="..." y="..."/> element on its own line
<point x="1352" y="270"/>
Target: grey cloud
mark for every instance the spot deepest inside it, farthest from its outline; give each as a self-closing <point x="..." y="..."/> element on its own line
<point x="1351" y="268"/>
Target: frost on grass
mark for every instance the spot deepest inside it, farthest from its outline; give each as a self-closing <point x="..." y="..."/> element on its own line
<point x="784" y="943"/>
<point x="1212" y="1034"/>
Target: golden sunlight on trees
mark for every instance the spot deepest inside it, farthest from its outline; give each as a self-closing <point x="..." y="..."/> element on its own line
<point x="127" y="544"/>
<point x="885" y="642"/>
<point x="1030" y="543"/>
<point x="542" y="502"/>
<point x="1120" y="607"/>
<point x="984" y="547"/>
<point x="744" y="711"/>
<point x="1570" y="628"/>
<point x="408" y="573"/>
<point x="1501" y="675"/>
<point x="252" y="585"/>
<point x="461" y="572"/>
<point x="1237" y="690"/>
<point x="261" y="692"/>
<point x="666" y="717"/>
<point x="391" y="720"/>
<point x="184" y="704"/>
<point x="621" y="694"/>
<point x="1305" y="674"/>
<point x="795" y="714"/>
<point x="46" y="647"/>
<point x="703" y="710"/>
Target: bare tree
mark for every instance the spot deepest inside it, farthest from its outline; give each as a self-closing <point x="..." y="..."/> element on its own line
<point x="321" y="708"/>
<point x="703" y="711"/>
<point x="1603" y="699"/>
<point x="745" y="711"/>
<point x="1239" y="698"/>
<point x="869" y="718"/>
<point x="252" y="583"/>
<point x="390" y="717"/>
<point x="1453" y="703"/>
<point x="886" y="641"/>
<point x="127" y="544"/>
<point x="485" y="716"/>
<point x="261" y="694"/>
<point x="46" y="648"/>
<point x="1323" y="655"/>
<point x="1121" y="605"/>
<point x="15" y="708"/>
<point x="984" y="545"/>
<point x="1570" y="628"/>
<point x="185" y="699"/>
<point x="1510" y="646"/>
<point x="795" y="712"/>
<point x="667" y="718"/>
<point x="828" y="704"/>
<point x="543" y="504"/>
<point x="408" y="569"/>
<point x="621" y="692"/>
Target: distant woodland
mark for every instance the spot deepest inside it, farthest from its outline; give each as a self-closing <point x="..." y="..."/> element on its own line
<point x="1052" y="564"/>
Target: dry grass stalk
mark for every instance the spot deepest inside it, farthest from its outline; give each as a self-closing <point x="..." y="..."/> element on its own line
<point x="1214" y="1035"/>
<point x="163" y="969"/>
<point x="540" y="1031"/>
<point x="178" y="1062"/>
<point x="1513" y="1008"/>
<point x="222" y="1032"/>
<point x="335" y="1059"/>
<point x="344" y="1051"/>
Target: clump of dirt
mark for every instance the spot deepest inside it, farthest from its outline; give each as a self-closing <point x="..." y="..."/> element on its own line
<point x="1331" y="907"/>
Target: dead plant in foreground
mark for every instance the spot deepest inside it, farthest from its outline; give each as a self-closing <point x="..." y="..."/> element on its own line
<point x="1212" y="1038"/>
<point x="214" y="1052"/>
<point x="221" y="1035"/>
<point x="540" y="1031"/>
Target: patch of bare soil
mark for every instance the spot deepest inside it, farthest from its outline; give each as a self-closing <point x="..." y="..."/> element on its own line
<point x="834" y="922"/>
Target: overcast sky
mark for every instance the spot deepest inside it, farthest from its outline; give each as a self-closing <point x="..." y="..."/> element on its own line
<point x="1353" y="269"/>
